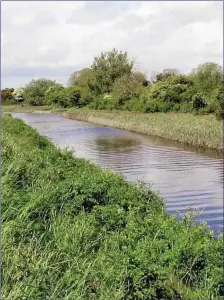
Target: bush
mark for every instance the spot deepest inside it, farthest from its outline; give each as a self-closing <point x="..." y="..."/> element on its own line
<point x="18" y="95"/>
<point x="53" y="94"/>
<point x="199" y="101"/>
<point x="7" y="96"/>
<point x="127" y="87"/>
<point x="34" y="91"/>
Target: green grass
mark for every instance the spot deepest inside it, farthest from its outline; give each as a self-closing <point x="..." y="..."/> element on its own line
<point x="72" y="231"/>
<point x="25" y="108"/>
<point x="204" y="131"/>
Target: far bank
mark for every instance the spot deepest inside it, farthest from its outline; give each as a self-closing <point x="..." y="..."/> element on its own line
<point x="198" y="130"/>
<point x="203" y="131"/>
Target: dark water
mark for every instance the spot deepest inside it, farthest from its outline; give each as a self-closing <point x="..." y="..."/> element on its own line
<point x="185" y="176"/>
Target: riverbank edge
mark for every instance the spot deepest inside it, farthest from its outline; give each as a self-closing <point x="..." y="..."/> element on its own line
<point x="153" y="124"/>
<point x="199" y="131"/>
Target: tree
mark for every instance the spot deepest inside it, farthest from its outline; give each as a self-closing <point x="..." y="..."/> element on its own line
<point x="84" y="78"/>
<point x="80" y="78"/>
<point x="128" y="87"/>
<point x="72" y="81"/>
<point x="208" y="79"/>
<point x="166" y="73"/>
<point x="34" y="92"/>
<point x="107" y="67"/>
<point x="53" y="94"/>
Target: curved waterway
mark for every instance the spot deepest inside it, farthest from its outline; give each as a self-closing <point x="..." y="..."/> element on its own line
<point x="184" y="176"/>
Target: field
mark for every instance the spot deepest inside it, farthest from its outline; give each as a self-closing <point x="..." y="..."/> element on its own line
<point x="204" y="131"/>
<point x="72" y="231"/>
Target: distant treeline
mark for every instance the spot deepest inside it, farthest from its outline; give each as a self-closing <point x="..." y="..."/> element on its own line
<point x="112" y="83"/>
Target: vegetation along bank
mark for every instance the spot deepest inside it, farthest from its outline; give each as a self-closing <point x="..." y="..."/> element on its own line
<point x="189" y="105"/>
<point x="73" y="231"/>
<point x="204" y="131"/>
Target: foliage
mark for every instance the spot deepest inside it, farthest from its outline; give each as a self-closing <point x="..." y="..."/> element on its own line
<point x="53" y="94"/>
<point x="73" y="78"/>
<point x="166" y="74"/>
<point x="18" y="94"/>
<point x="112" y="83"/>
<point x="127" y="87"/>
<point x="84" y="77"/>
<point x="7" y="95"/>
<point x="73" y="231"/>
<point x="80" y="78"/>
<point x="67" y="97"/>
<point x="107" y="67"/>
<point x="34" y="91"/>
<point x="208" y="78"/>
<point x="199" y="101"/>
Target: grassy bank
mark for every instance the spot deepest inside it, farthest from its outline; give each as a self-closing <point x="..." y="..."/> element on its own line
<point x="204" y="131"/>
<point x="23" y="108"/>
<point x="73" y="231"/>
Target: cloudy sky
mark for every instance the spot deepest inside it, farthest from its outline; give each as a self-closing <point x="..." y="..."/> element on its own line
<point x="53" y="39"/>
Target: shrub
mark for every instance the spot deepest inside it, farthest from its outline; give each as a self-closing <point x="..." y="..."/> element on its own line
<point x="127" y="87"/>
<point x="7" y="96"/>
<point x="18" y="95"/>
<point x="199" y="101"/>
<point x="53" y="94"/>
<point x="34" y="91"/>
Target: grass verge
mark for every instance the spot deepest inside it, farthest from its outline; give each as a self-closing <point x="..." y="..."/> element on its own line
<point x="73" y="231"/>
<point x="203" y="131"/>
<point x="23" y="109"/>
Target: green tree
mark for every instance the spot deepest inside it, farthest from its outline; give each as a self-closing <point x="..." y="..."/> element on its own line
<point x="73" y="78"/>
<point x="34" y="92"/>
<point x="128" y="87"/>
<point x="208" y="79"/>
<point x="166" y="73"/>
<point x="107" y="67"/>
<point x="53" y="94"/>
<point x="84" y="77"/>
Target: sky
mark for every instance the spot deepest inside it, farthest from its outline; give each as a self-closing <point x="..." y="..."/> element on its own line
<point x="52" y="39"/>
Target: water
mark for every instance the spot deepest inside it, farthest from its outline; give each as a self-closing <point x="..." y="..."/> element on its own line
<point x="184" y="176"/>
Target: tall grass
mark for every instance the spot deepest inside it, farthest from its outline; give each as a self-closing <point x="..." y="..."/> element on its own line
<point x="204" y="131"/>
<point x="72" y="231"/>
<point x="23" y="108"/>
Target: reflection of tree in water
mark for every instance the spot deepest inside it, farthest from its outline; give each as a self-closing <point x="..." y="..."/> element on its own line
<point x="117" y="144"/>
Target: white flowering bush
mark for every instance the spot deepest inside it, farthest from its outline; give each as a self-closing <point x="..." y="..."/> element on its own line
<point x="18" y="94"/>
<point x="107" y="96"/>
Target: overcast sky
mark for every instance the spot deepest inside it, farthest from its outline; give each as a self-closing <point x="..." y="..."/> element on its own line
<point x="53" y="39"/>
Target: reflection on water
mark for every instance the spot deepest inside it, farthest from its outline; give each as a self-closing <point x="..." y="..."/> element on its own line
<point x="185" y="176"/>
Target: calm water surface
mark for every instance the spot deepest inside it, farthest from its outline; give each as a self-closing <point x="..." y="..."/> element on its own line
<point x="185" y="176"/>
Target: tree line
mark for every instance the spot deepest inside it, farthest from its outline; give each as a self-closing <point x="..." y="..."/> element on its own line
<point x="112" y="83"/>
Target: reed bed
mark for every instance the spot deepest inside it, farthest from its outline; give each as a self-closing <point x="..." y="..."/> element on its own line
<point x="204" y="131"/>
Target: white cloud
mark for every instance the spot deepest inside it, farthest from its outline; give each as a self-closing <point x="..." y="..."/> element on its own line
<point x="52" y="39"/>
